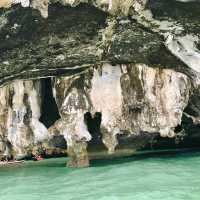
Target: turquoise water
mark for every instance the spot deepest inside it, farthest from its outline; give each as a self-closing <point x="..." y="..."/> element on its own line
<point x="166" y="177"/>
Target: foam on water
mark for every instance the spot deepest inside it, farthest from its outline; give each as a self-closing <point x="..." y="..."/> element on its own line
<point x="140" y="178"/>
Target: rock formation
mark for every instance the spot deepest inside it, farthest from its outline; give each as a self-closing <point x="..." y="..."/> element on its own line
<point x="121" y="71"/>
<point x="20" y="113"/>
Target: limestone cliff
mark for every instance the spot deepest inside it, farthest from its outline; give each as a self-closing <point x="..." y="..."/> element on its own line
<point x="122" y="73"/>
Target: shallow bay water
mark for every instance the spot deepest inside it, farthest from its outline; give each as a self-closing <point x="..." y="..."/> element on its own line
<point x="155" y="177"/>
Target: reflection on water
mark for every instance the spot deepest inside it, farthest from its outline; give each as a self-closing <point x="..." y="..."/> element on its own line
<point x="170" y="176"/>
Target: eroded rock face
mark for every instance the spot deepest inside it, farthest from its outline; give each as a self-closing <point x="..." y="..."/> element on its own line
<point x="114" y="7"/>
<point x="20" y="113"/>
<point x="105" y="103"/>
<point x="130" y="99"/>
<point x="159" y="98"/>
<point x="73" y="104"/>
<point x="98" y="102"/>
<point x="179" y="30"/>
<point x="70" y="41"/>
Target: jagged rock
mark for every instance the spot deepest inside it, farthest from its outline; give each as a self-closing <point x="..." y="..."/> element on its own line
<point x="72" y="44"/>
<point x="114" y="7"/>
<point x="124" y="70"/>
<point x="180" y="31"/>
<point x="130" y="99"/>
<point x="21" y="132"/>
<point x="20" y="113"/>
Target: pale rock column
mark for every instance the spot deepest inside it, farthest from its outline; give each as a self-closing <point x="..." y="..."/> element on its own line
<point x="20" y="112"/>
<point x="73" y="103"/>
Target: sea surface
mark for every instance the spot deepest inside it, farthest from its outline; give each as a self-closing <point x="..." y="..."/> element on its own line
<point x="166" y="176"/>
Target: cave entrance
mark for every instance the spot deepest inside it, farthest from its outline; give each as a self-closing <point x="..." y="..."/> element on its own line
<point x="49" y="109"/>
<point x="93" y="124"/>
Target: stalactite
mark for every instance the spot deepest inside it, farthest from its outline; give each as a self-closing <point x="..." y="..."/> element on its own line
<point x="131" y="99"/>
<point x="20" y="113"/>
